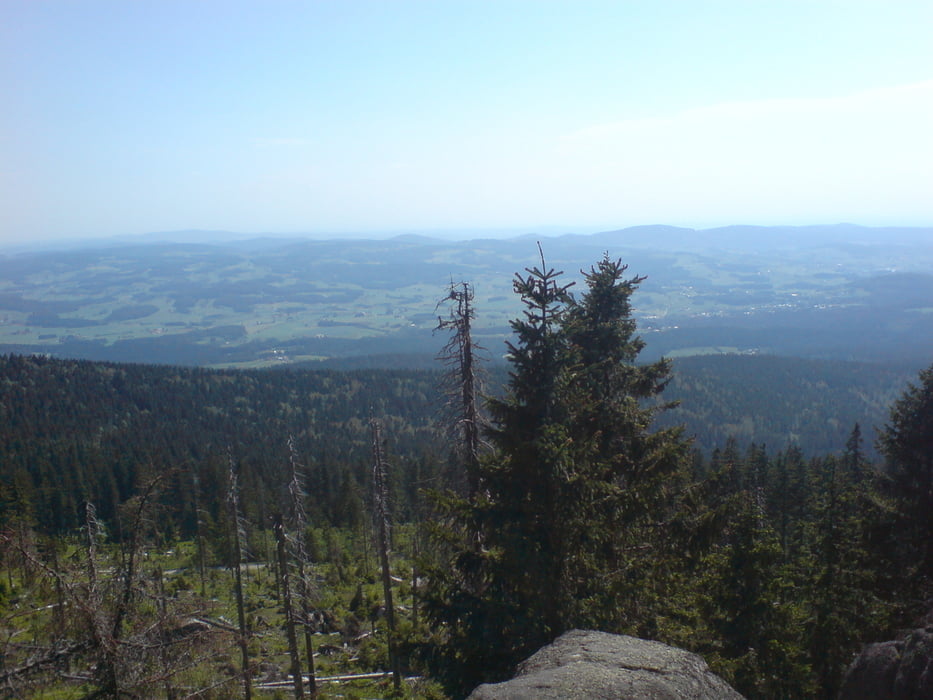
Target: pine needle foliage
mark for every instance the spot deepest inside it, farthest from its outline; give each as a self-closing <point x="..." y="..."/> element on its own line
<point x="577" y="489"/>
<point x="907" y="444"/>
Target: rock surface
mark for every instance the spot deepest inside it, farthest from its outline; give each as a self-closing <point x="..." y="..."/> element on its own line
<point x="602" y="666"/>
<point x="895" y="670"/>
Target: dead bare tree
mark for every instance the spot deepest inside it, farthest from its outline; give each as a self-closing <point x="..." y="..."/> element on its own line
<point x="459" y="356"/>
<point x="199" y="530"/>
<point x="279" y="529"/>
<point x="233" y="503"/>
<point x="381" y="526"/>
<point x="138" y="507"/>
<point x="298" y="526"/>
<point x="111" y="667"/>
<point x="163" y="634"/>
<point x="93" y="609"/>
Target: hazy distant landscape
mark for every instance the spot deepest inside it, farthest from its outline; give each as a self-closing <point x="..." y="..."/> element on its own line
<point x="840" y="292"/>
<point x="790" y="348"/>
<point x="294" y="398"/>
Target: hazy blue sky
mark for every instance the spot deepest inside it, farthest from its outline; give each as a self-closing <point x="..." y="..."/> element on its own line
<point x="349" y="116"/>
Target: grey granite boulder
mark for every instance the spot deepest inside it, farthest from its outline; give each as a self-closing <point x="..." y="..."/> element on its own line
<point x="602" y="666"/>
<point x="897" y="670"/>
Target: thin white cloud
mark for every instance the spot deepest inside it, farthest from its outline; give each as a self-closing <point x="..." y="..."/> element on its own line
<point x="865" y="157"/>
<point x="799" y="155"/>
<point x="283" y="142"/>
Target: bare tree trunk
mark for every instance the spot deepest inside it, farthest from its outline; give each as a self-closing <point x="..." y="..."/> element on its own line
<point x="415" y="553"/>
<point x="110" y="663"/>
<point x="306" y="618"/>
<point x="130" y="557"/>
<point x="381" y="515"/>
<point x="461" y="380"/>
<point x="103" y="645"/>
<point x="170" y="693"/>
<point x="461" y="385"/>
<point x="299" y="525"/>
<point x="199" y="531"/>
<point x="234" y="505"/>
<point x="279" y="530"/>
<point x="58" y="615"/>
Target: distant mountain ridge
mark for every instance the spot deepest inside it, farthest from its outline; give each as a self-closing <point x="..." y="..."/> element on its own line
<point x="761" y="238"/>
<point x="738" y="236"/>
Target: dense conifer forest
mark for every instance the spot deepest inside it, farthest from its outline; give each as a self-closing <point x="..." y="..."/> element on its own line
<point x="754" y="523"/>
<point x="74" y="431"/>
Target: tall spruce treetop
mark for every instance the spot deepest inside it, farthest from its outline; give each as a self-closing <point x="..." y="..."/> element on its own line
<point x="907" y="444"/>
<point x="536" y="355"/>
<point x="601" y="337"/>
<point x="523" y="478"/>
<point x="578" y="481"/>
<point x="624" y="480"/>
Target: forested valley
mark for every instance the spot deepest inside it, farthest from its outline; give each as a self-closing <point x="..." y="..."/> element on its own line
<point x="773" y="521"/>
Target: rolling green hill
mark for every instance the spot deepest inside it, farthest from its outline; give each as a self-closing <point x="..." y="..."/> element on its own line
<point x="832" y="292"/>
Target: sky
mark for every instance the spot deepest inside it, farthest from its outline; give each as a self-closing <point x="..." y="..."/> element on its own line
<point x="356" y="117"/>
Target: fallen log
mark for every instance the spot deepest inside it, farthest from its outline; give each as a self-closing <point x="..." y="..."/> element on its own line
<point x="334" y="679"/>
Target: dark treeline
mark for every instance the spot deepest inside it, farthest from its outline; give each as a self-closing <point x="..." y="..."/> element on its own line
<point x="782" y="401"/>
<point x="763" y="399"/>
<point x="77" y="431"/>
<point x="74" y="431"/>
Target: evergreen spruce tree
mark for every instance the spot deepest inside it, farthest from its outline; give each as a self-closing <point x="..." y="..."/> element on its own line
<point x="907" y="444"/>
<point x="854" y="461"/>
<point x="753" y="615"/>
<point x="625" y="477"/>
<point x="836" y="570"/>
<point x="533" y="461"/>
<point x="498" y="602"/>
<point x="571" y="504"/>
